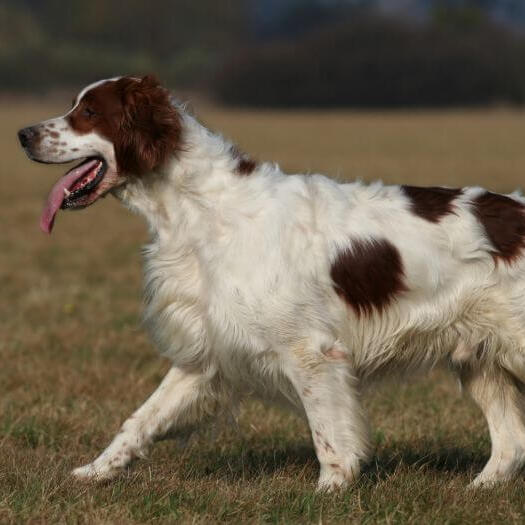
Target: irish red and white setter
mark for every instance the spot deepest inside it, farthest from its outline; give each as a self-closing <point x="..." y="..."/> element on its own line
<point x="295" y="287"/>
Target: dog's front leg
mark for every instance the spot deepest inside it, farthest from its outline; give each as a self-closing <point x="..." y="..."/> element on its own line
<point x="179" y="401"/>
<point x="330" y="396"/>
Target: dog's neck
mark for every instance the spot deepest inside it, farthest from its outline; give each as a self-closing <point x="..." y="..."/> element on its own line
<point x="205" y="174"/>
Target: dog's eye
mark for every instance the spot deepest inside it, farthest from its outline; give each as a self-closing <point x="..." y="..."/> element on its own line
<point x="88" y="112"/>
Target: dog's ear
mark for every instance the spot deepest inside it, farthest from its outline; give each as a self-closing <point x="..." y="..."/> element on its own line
<point x="150" y="128"/>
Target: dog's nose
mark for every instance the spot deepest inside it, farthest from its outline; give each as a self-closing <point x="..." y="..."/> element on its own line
<point x="25" y="135"/>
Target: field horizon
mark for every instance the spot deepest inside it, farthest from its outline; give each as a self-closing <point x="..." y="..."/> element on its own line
<point x="76" y="361"/>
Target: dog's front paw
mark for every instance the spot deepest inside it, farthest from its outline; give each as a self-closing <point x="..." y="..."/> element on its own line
<point x="93" y="472"/>
<point x="334" y="477"/>
<point x="334" y="481"/>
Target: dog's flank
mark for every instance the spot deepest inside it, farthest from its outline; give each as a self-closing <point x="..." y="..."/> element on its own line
<point x="293" y="287"/>
<point x="369" y="274"/>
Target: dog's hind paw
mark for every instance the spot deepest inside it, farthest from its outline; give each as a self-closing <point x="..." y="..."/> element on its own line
<point x="91" y="472"/>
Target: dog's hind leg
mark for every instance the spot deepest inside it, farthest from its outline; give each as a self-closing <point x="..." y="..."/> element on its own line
<point x="330" y="397"/>
<point x="180" y="400"/>
<point x="501" y="398"/>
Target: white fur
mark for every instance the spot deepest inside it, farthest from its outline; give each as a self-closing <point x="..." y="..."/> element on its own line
<point x="239" y="296"/>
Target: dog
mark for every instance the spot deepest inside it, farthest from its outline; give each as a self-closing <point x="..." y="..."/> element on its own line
<point x="294" y="288"/>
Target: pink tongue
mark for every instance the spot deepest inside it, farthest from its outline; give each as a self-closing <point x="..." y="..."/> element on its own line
<point x="56" y="195"/>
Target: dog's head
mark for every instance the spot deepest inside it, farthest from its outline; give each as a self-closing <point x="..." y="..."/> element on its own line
<point x="120" y="128"/>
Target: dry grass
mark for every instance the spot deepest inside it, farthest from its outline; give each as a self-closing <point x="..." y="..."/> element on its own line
<point x="74" y="362"/>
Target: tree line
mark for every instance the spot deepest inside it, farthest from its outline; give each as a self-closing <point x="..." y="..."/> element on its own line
<point x="319" y="57"/>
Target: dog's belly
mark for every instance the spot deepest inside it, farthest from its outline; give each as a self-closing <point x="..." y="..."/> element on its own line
<point x="468" y="329"/>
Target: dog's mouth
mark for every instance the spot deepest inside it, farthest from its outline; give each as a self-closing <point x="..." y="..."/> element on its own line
<point x="76" y="189"/>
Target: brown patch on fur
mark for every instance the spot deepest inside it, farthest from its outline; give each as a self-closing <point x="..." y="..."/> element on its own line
<point x="74" y="149"/>
<point x="368" y="275"/>
<point x="51" y="125"/>
<point x="327" y="447"/>
<point x="504" y="221"/>
<point x="54" y="134"/>
<point x="137" y="116"/>
<point x="322" y="441"/>
<point x="245" y="165"/>
<point x="335" y="465"/>
<point x="431" y="203"/>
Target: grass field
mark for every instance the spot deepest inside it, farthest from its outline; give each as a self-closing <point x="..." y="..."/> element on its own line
<point x="74" y="362"/>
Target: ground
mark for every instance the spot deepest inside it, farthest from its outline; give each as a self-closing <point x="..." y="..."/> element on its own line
<point x="75" y="361"/>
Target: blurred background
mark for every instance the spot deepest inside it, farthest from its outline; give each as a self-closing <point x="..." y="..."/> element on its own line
<point x="407" y="91"/>
<point x="280" y="53"/>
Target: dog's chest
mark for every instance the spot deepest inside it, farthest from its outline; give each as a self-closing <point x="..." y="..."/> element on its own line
<point x="195" y="309"/>
<point x="174" y="305"/>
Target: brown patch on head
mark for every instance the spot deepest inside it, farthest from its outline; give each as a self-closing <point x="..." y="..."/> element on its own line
<point x="368" y="275"/>
<point x="137" y="116"/>
<point x="37" y="138"/>
<point x="431" y="203"/>
<point x="54" y="134"/>
<point x="504" y="221"/>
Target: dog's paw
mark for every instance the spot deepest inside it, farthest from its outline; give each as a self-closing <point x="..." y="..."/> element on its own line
<point x="333" y="477"/>
<point x="92" y="472"/>
<point x="483" y="482"/>
<point x="495" y="473"/>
